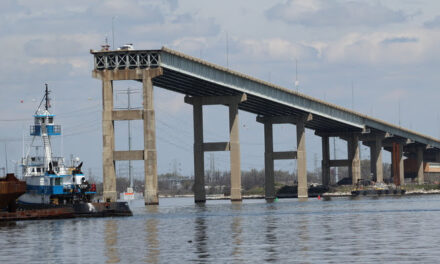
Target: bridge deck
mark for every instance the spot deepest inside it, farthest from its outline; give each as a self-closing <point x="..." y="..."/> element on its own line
<point x="195" y="77"/>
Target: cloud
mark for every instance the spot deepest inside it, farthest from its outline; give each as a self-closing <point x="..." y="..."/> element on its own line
<point x="179" y="27"/>
<point x="433" y="23"/>
<point x="130" y="10"/>
<point x="399" y="40"/>
<point x="173" y="4"/>
<point x="381" y="48"/>
<point x="278" y="49"/>
<point x="55" y="47"/>
<point x="392" y="95"/>
<point x="317" y="13"/>
<point x="190" y="45"/>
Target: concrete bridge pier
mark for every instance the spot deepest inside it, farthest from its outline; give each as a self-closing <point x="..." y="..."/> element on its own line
<point x="325" y="161"/>
<point x="301" y="159"/>
<point x="233" y="146"/>
<point x="352" y="161"/>
<point x="109" y="115"/>
<point x="270" y="156"/>
<point x="150" y="154"/>
<point x="376" y="162"/>
<point x="269" y="175"/>
<point x="398" y="172"/>
<point x="354" y="164"/>
<point x="108" y="138"/>
<point x="420" y="165"/>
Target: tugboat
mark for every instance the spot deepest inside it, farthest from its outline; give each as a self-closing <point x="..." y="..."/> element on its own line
<point x="51" y="183"/>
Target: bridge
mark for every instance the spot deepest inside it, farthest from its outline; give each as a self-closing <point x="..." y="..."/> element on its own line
<point x="204" y="83"/>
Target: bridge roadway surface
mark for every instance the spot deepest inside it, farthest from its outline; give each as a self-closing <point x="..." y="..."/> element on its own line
<point x="197" y="78"/>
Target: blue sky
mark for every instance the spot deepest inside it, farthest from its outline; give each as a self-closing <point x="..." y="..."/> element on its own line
<point x="387" y="52"/>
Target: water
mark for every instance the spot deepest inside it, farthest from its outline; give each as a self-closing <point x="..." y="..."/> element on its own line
<point x="403" y="230"/>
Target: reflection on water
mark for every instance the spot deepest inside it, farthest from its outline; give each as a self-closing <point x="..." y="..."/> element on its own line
<point x="200" y="233"/>
<point x="152" y="240"/>
<point x="271" y="237"/>
<point x="111" y="241"/>
<point x="404" y="230"/>
<point x="304" y="237"/>
<point x="236" y="232"/>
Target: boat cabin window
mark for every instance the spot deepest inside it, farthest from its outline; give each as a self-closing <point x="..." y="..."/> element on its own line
<point x="50" y="120"/>
<point x="42" y="120"/>
<point x="38" y="169"/>
<point x="57" y="181"/>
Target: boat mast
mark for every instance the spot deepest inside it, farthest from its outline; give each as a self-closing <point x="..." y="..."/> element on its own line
<point x="44" y="133"/>
<point x="46" y="96"/>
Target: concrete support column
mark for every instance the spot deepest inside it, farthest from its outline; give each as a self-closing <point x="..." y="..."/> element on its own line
<point x="401" y="165"/>
<point x="376" y="160"/>
<point x="199" y="159"/>
<point x="301" y="159"/>
<point x="354" y="166"/>
<point x="234" y="144"/>
<point x="108" y="140"/>
<point x="150" y="155"/>
<point x="269" y="183"/>
<point x="437" y="157"/>
<point x="420" y="173"/>
<point x="325" y="161"/>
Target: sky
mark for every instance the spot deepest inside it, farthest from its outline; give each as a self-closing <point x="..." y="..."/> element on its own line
<point x="380" y="58"/>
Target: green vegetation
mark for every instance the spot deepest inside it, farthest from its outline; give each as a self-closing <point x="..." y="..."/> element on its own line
<point x="254" y="191"/>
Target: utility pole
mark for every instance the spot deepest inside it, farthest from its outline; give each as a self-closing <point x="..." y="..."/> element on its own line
<point x="352" y="95"/>
<point x="227" y="50"/>
<point x="129" y="92"/>
<point x="296" y="76"/>
<point x="113" y="32"/>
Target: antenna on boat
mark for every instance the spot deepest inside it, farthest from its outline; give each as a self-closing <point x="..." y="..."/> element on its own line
<point x="46" y="96"/>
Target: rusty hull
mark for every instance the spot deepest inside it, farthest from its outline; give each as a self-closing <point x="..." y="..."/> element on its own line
<point x="10" y="189"/>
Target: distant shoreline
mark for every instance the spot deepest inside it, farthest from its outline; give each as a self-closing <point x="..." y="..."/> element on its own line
<point x="334" y="194"/>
